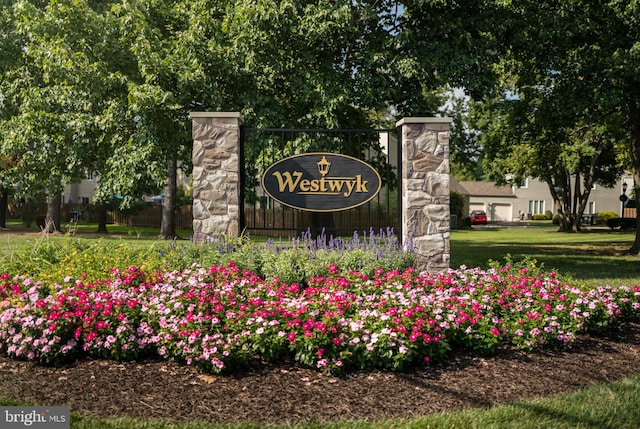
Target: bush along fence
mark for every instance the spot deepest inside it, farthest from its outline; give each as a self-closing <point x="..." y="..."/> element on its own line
<point x="221" y="317"/>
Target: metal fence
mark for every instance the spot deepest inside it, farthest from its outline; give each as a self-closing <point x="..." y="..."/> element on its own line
<point x="261" y="148"/>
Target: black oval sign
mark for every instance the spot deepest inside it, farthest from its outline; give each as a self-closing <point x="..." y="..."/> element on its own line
<point x="321" y="182"/>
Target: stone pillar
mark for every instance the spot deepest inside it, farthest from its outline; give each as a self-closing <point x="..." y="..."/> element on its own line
<point x="425" y="190"/>
<point x="216" y="172"/>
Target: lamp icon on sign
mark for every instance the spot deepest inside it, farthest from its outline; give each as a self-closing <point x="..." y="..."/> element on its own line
<point x="323" y="166"/>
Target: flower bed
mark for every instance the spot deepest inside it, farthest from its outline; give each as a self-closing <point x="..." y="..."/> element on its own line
<point x="219" y="318"/>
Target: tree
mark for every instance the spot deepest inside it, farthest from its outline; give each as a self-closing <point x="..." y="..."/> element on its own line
<point x="306" y="64"/>
<point x="444" y="43"/>
<point x="585" y="53"/>
<point x="540" y="135"/>
<point x="10" y="53"/>
<point x="559" y="114"/>
<point x="62" y="95"/>
<point x="154" y="122"/>
<point x="134" y="69"/>
<point x="465" y="149"/>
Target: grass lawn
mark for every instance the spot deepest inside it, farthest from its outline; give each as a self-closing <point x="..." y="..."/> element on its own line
<point x="17" y="236"/>
<point x="593" y="257"/>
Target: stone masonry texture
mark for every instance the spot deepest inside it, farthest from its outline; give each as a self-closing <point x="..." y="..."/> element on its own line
<point x="216" y="192"/>
<point x="425" y="190"/>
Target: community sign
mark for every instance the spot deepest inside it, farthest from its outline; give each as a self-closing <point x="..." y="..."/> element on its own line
<point x="321" y="182"/>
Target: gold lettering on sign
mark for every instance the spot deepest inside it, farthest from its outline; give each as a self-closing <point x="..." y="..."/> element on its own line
<point x="294" y="183"/>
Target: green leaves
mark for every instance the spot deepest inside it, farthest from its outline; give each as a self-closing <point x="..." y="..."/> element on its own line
<point x="565" y="66"/>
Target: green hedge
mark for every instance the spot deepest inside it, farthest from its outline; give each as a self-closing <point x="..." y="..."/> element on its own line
<point x="602" y="218"/>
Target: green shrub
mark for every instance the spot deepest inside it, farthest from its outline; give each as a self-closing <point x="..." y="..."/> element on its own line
<point x="539" y="216"/>
<point x="603" y="217"/>
<point x="307" y="258"/>
<point x="621" y="223"/>
<point x="179" y="255"/>
<point x="53" y="260"/>
<point x="548" y="215"/>
<point x="456" y="204"/>
<point x="295" y="261"/>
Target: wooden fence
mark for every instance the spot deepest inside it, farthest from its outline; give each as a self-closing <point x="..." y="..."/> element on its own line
<point x="275" y="222"/>
<point x="150" y="216"/>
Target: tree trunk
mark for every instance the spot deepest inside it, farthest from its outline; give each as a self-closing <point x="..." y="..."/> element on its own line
<point x="168" y="224"/>
<point x="577" y="216"/>
<point x="52" y="219"/>
<point x="560" y="190"/>
<point x="4" y="202"/>
<point x="102" y="218"/>
<point x="634" y="116"/>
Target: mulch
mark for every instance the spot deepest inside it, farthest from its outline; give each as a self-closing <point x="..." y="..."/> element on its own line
<point x="289" y="393"/>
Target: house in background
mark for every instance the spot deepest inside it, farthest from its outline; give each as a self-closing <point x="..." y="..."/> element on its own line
<point x="497" y="201"/>
<point x="508" y="203"/>
<point x="82" y="192"/>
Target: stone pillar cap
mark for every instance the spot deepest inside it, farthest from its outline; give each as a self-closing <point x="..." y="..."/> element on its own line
<point x="236" y="115"/>
<point x="423" y="120"/>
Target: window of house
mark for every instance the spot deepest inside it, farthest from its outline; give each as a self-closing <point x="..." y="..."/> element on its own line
<point x="591" y="208"/>
<point x="536" y="206"/>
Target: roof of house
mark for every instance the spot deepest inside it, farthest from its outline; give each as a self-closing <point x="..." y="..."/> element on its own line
<point x="483" y="189"/>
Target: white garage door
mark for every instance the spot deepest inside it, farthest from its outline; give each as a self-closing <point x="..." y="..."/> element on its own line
<point x="500" y="213"/>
